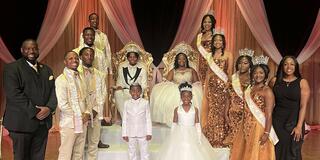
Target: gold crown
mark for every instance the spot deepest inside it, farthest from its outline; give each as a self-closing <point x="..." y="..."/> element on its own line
<point x="181" y="48"/>
<point x="260" y="60"/>
<point x="132" y="48"/>
<point x="246" y="52"/>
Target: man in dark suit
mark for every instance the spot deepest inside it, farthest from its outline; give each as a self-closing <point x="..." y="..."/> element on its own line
<point x="31" y="99"/>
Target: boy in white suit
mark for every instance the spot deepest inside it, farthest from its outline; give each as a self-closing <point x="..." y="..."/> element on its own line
<point x="136" y="123"/>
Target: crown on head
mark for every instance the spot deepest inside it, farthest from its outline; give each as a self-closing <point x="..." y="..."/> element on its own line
<point x="182" y="48"/>
<point x="211" y="12"/>
<point x="246" y="52"/>
<point x="218" y="31"/>
<point x="186" y="88"/>
<point x="260" y="60"/>
<point x="132" y="48"/>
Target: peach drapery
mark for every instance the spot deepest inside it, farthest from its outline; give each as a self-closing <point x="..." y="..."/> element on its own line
<point x="313" y="42"/>
<point x="191" y="20"/>
<point x="5" y="55"/>
<point x="122" y="19"/>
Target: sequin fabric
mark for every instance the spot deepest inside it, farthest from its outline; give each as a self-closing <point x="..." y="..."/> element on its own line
<point x="249" y="119"/>
<point x="216" y="128"/>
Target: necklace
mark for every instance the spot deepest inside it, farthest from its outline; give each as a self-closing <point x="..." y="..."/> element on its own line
<point x="289" y="81"/>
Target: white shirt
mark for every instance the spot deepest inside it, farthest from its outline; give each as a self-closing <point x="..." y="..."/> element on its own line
<point x="100" y="61"/>
<point x="101" y="42"/>
<point x="142" y="77"/>
<point x="64" y="102"/>
<point x="136" y="120"/>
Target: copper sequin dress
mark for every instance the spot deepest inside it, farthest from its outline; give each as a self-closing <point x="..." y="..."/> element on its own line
<point x="215" y="98"/>
<point x="236" y="108"/>
<point x="203" y="64"/>
<point x="246" y="145"/>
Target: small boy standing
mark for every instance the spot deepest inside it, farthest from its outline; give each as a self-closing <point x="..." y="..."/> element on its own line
<point x="136" y="123"/>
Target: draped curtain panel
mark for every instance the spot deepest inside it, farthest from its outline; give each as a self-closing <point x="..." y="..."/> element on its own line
<point x="56" y="19"/>
<point x="70" y="37"/>
<point x="122" y="19"/>
<point x="255" y="15"/>
<point x="313" y="42"/>
<point x="5" y="55"/>
<point x="310" y="71"/>
<point x="190" y="22"/>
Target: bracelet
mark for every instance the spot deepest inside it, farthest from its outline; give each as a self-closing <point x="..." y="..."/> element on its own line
<point x="266" y="132"/>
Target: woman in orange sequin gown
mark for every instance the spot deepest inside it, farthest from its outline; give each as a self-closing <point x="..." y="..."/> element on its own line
<point x="215" y="95"/>
<point x="204" y="39"/>
<point x="239" y="82"/>
<point x="255" y="139"/>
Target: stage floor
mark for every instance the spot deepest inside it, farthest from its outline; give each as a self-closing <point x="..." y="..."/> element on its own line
<point x="118" y="148"/>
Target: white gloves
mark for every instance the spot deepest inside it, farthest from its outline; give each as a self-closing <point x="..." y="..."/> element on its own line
<point x="198" y="127"/>
<point x="173" y="127"/>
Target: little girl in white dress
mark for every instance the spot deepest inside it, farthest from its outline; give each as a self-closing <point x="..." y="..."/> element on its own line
<point x="186" y="142"/>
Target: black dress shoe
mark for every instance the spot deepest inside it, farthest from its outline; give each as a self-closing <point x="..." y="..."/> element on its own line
<point x="101" y="145"/>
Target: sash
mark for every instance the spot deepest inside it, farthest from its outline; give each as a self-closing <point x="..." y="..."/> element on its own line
<point x="236" y="85"/>
<point x="259" y="115"/>
<point x="100" y="91"/>
<point x="217" y="70"/>
<point x="76" y="96"/>
<point x="213" y="66"/>
<point x="201" y="49"/>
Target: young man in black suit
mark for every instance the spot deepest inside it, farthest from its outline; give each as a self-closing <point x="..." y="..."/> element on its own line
<point x="31" y="100"/>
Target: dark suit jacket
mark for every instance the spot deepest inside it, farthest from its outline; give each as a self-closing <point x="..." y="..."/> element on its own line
<point x="24" y="89"/>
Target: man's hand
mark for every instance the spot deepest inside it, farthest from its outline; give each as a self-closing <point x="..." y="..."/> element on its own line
<point x="85" y="117"/>
<point x="43" y="113"/>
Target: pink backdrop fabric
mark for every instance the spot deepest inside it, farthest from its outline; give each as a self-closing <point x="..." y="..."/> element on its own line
<point x="190" y="22"/>
<point x="122" y="19"/>
<point x="57" y="17"/>
<point x="5" y="55"/>
<point x="313" y="42"/>
<point x="255" y="15"/>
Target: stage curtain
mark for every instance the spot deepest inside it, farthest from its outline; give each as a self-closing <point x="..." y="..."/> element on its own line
<point x="5" y="54"/>
<point x="190" y="22"/>
<point x="255" y="15"/>
<point x="313" y="42"/>
<point x="69" y="39"/>
<point x="55" y="21"/>
<point x="236" y="30"/>
<point x="122" y="19"/>
<point x="310" y="71"/>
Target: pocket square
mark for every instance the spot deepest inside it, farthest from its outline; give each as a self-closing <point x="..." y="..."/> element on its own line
<point x="51" y="78"/>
